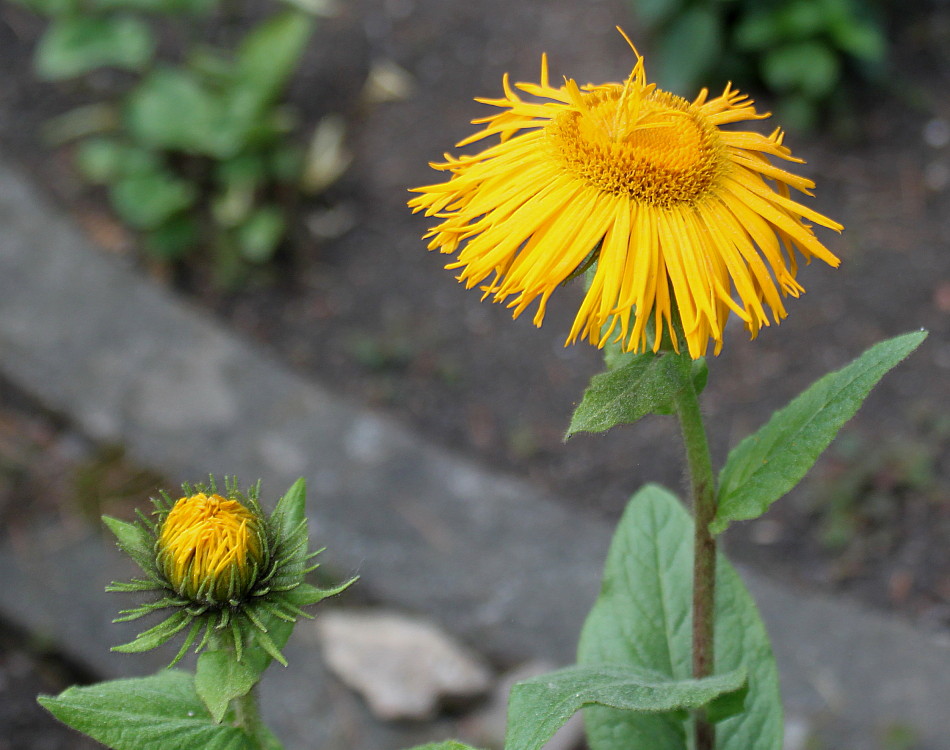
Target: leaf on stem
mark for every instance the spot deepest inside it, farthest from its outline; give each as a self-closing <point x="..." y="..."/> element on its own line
<point x="144" y="713"/>
<point x="766" y="465"/>
<point x="642" y="619"/>
<point x="540" y="706"/>
<point x="645" y="384"/>
<point x="220" y="678"/>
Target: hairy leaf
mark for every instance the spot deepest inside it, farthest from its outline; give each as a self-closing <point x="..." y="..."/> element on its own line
<point x="643" y="617"/>
<point x="644" y="385"/>
<point x="766" y="465"/>
<point x="540" y="706"/>
<point x="161" y="711"/>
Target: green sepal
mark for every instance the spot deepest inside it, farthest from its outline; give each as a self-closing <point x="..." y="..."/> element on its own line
<point x="136" y="542"/>
<point x="766" y="465"/>
<point x="136" y="584"/>
<point x="156" y="636"/>
<point x="538" y="707"/>
<point x="646" y="384"/>
<point x="643" y="618"/>
<point x="306" y="594"/>
<point x="143" y="713"/>
<point x="289" y="513"/>
<point x="126" y="615"/>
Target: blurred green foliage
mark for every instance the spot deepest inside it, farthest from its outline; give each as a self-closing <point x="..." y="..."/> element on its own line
<point x="801" y="51"/>
<point x="194" y="152"/>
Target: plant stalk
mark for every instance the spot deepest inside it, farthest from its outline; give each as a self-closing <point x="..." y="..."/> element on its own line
<point x="248" y="716"/>
<point x="703" y="487"/>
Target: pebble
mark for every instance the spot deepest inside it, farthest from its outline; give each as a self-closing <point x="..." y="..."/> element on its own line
<point x="404" y="668"/>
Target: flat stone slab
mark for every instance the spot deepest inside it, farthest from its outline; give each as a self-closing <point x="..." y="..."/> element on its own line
<point x="489" y="557"/>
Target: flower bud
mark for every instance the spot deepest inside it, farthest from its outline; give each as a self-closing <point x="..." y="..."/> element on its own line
<point x="211" y="549"/>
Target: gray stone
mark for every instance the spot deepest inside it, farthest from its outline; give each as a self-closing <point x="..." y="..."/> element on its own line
<point x="404" y="667"/>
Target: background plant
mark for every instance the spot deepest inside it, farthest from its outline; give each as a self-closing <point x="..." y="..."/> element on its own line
<point x="196" y="149"/>
<point x="801" y="51"/>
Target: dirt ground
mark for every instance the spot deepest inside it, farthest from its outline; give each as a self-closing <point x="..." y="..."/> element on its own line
<point x="371" y="314"/>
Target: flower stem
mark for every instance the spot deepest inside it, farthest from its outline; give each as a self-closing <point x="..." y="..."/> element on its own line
<point x="703" y="487"/>
<point x="248" y="717"/>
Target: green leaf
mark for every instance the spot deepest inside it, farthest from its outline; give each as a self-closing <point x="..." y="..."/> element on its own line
<point x="52" y="8"/>
<point x="809" y="67"/>
<point x="135" y="541"/>
<point x="269" y="54"/>
<point x="220" y="678"/>
<point x="447" y="745"/>
<point x="862" y="39"/>
<point x="766" y="465"/>
<point x="801" y="19"/>
<point x="105" y="160"/>
<point x="259" y="236"/>
<point x="654" y="12"/>
<point x="195" y="7"/>
<point x="756" y="30"/>
<point x="149" y="199"/>
<point x="161" y="711"/>
<point x="173" y="238"/>
<point x="688" y="49"/>
<point x="643" y="617"/>
<point x="74" y="45"/>
<point x="540" y="706"/>
<point x="267" y="57"/>
<point x="645" y="385"/>
<point x="171" y="109"/>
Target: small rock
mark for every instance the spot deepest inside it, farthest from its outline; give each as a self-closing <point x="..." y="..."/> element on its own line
<point x="797" y="733"/>
<point x="937" y="133"/>
<point x="403" y="667"/>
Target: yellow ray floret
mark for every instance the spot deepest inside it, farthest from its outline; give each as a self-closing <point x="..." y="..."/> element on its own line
<point x="210" y="548"/>
<point x="686" y="222"/>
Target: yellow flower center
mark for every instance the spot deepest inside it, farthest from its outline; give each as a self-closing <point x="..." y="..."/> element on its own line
<point x="210" y="548"/>
<point x="650" y="145"/>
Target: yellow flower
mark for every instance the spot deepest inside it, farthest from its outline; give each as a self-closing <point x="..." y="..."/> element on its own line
<point x="210" y="548"/>
<point x="683" y="218"/>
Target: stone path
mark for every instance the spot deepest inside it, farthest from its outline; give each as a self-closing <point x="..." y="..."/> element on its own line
<point x="494" y="560"/>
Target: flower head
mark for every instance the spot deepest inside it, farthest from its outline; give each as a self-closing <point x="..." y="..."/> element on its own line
<point x="211" y="548"/>
<point x="677" y="213"/>
<point x="224" y="569"/>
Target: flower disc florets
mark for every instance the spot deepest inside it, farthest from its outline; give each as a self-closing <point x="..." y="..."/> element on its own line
<point x="656" y="150"/>
<point x="229" y="573"/>
<point x="211" y="549"/>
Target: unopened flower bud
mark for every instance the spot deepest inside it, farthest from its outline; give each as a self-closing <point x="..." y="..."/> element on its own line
<point x="211" y="549"/>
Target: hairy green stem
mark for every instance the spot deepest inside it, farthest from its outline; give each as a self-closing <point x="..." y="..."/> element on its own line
<point x="703" y="487"/>
<point x="248" y="716"/>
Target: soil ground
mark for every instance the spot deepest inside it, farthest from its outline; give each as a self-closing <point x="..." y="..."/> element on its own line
<point x="371" y="314"/>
